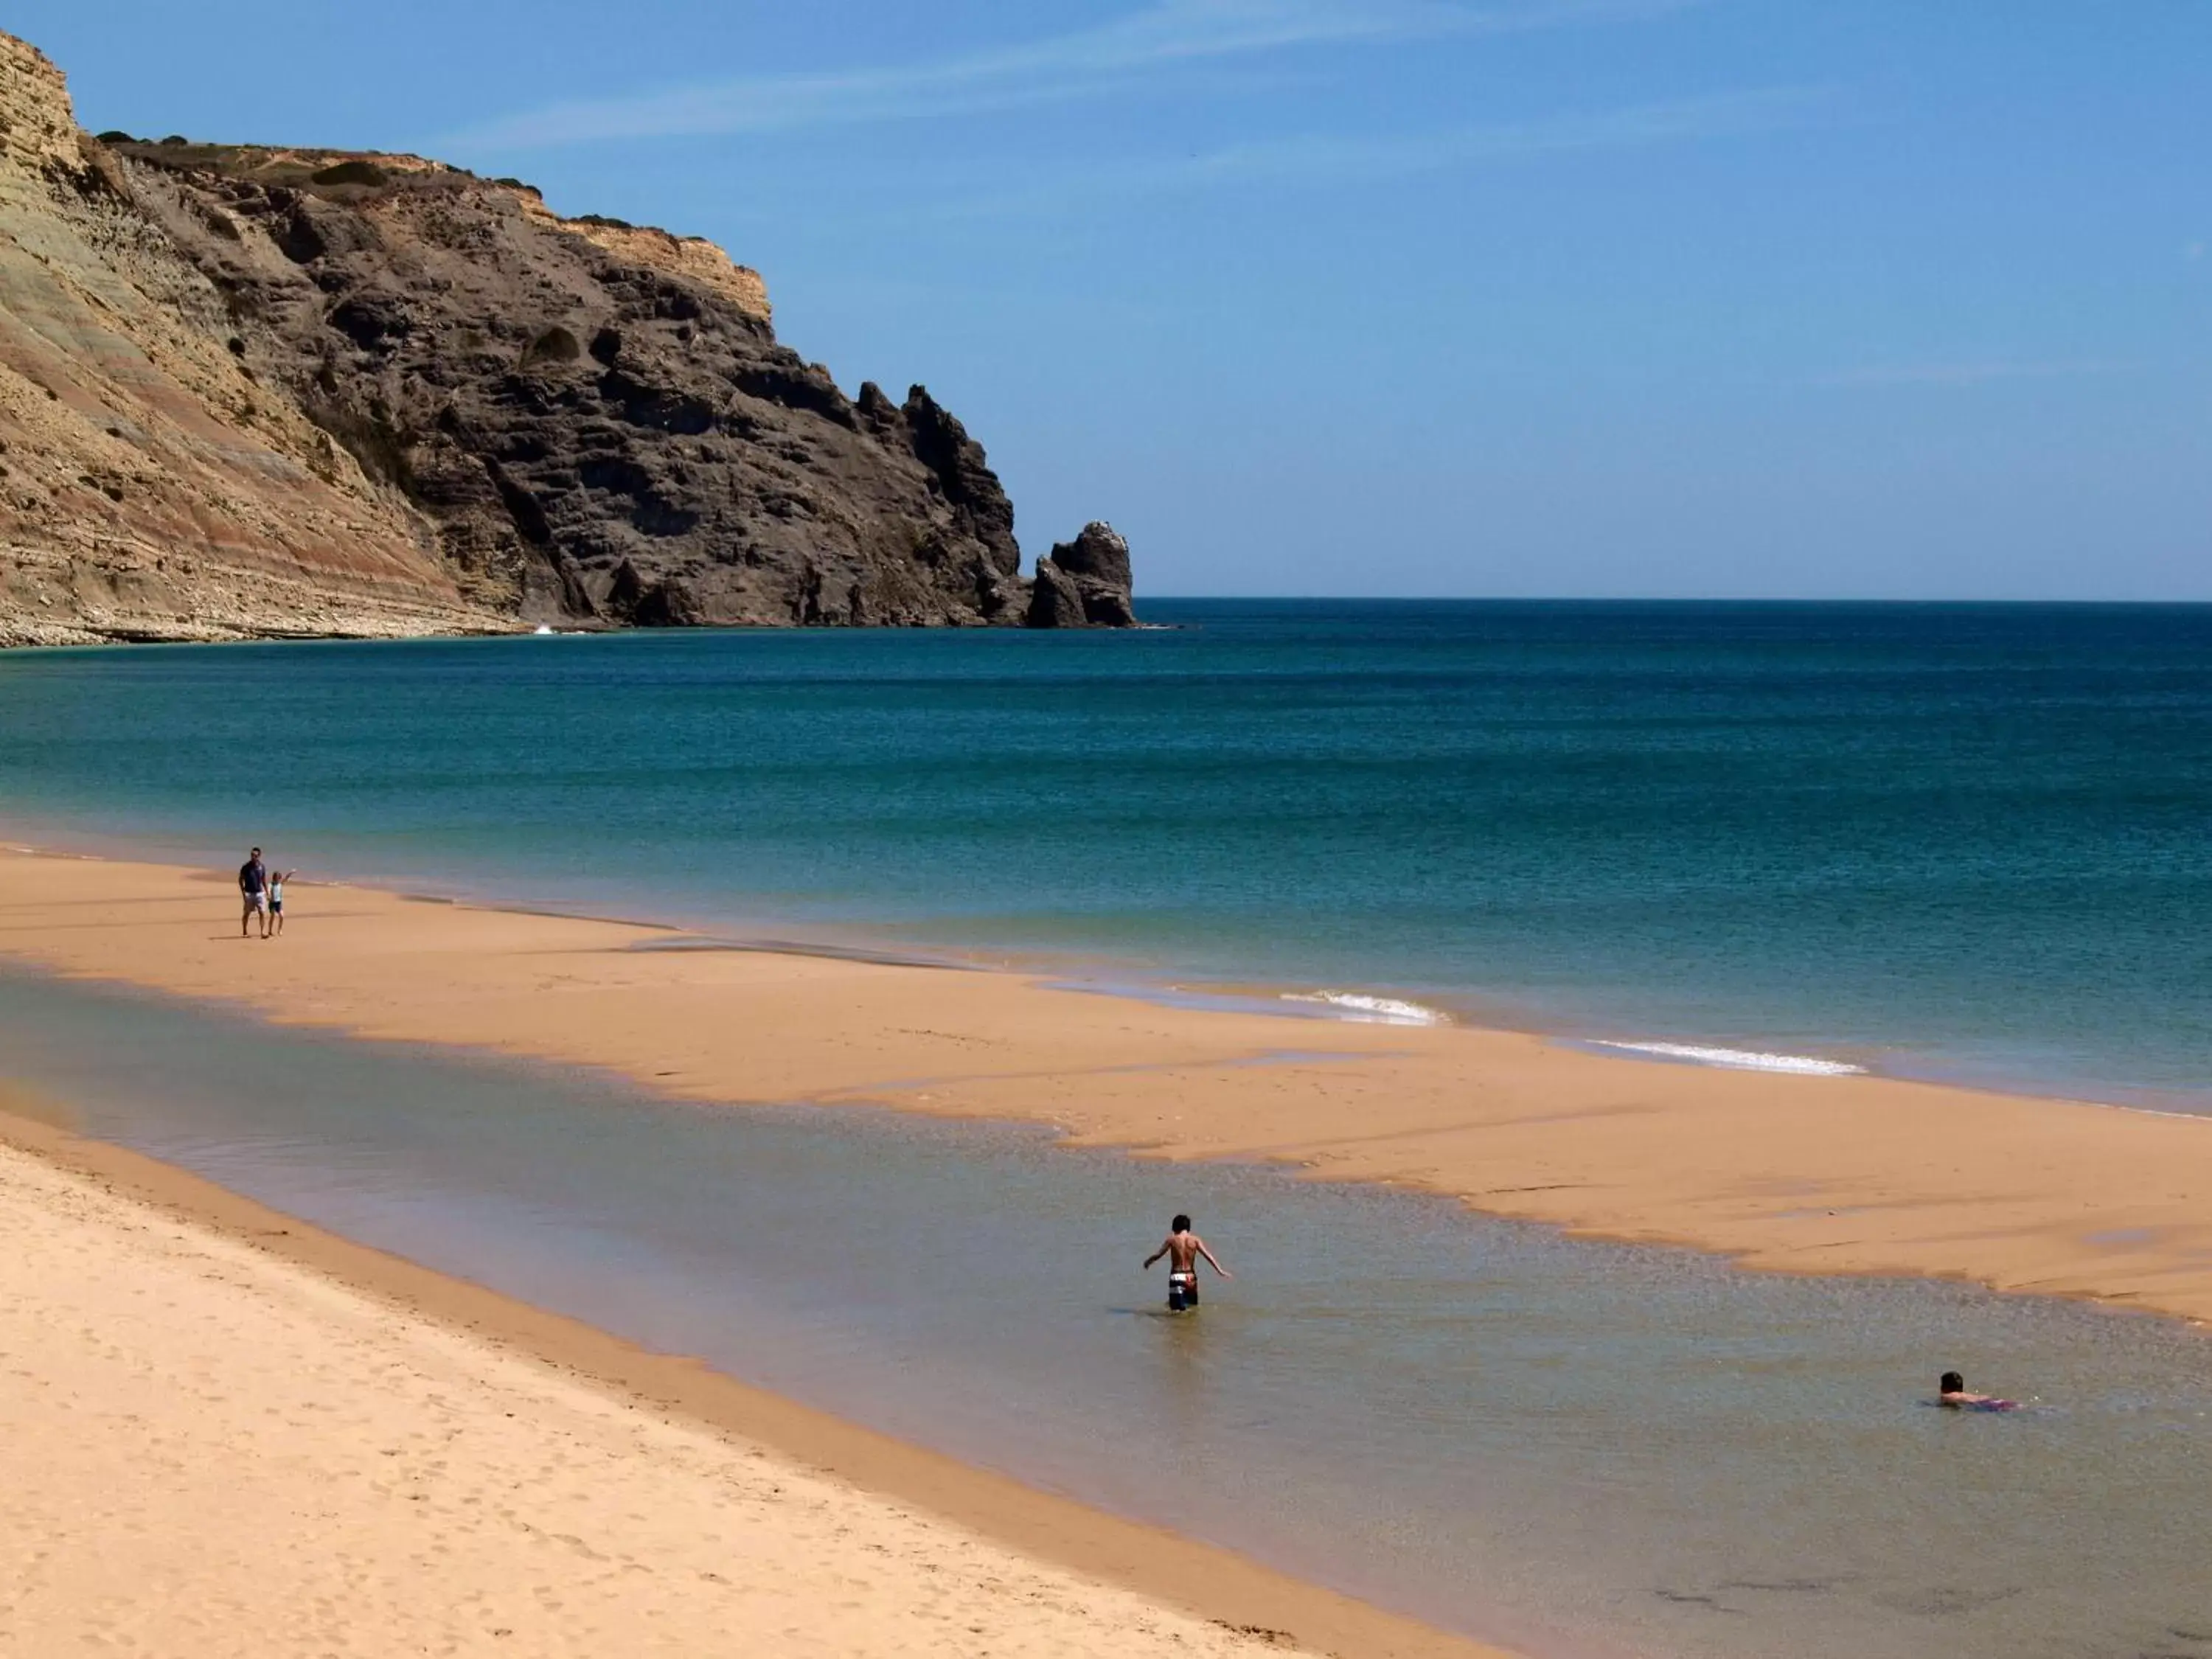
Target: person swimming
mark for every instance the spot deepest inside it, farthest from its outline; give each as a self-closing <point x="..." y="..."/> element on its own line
<point x="1184" y="1248"/>
<point x="1951" y="1391"/>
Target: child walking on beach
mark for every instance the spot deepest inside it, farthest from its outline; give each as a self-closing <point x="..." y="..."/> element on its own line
<point x="277" y="881"/>
<point x="1184" y="1248"/>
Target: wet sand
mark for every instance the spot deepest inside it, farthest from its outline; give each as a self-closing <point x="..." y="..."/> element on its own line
<point x="231" y="1434"/>
<point x="1813" y="1174"/>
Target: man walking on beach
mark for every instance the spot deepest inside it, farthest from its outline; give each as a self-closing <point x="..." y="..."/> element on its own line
<point x="1182" y="1248"/>
<point x="253" y="888"/>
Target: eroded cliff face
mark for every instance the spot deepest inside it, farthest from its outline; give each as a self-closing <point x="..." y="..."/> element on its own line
<point x="150" y="486"/>
<point x="248" y="390"/>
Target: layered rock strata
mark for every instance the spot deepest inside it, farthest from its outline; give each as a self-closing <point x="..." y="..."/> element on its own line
<point x="151" y="486"/>
<point x="254" y="391"/>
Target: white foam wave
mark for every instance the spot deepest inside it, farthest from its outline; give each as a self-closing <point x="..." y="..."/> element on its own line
<point x="1379" y="1011"/>
<point x="1740" y="1059"/>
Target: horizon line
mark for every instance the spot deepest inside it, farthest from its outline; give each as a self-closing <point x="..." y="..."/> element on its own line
<point x="1652" y="599"/>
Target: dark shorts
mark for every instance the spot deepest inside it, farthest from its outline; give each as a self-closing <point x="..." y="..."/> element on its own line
<point x="1182" y="1291"/>
<point x="275" y="907"/>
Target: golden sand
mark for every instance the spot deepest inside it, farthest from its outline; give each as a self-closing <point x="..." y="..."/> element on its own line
<point x="228" y="1434"/>
<point x="1816" y="1174"/>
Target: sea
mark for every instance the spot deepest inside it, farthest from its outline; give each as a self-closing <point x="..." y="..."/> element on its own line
<point x="1958" y="841"/>
<point x="1971" y="842"/>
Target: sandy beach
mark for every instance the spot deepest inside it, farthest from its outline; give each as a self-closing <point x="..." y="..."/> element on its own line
<point x="1538" y="687"/>
<point x="231" y="1434"/>
<point x="1813" y="1174"/>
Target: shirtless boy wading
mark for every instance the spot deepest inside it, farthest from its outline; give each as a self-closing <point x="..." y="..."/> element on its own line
<point x="1182" y="1248"/>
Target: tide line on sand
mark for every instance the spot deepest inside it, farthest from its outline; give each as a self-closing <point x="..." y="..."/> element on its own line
<point x="1737" y="1060"/>
<point x="1360" y="1006"/>
<point x="741" y="1518"/>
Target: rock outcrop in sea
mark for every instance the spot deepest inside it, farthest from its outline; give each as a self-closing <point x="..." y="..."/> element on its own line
<point x="249" y="391"/>
<point x="1084" y="583"/>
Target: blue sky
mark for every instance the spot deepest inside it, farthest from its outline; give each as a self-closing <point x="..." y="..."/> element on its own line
<point x="1739" y="297"/>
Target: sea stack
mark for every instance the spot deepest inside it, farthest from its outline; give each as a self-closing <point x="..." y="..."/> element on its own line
<point x="1085" y="583"/>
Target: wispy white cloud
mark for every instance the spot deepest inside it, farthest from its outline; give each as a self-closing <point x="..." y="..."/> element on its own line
<point x="1330" y="159"/>
<point x="1977" y="371"/>
<point x="1320" y="159"/>
<point x="1159" y="36"/>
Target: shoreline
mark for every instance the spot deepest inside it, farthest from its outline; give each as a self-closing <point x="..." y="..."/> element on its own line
<point x="1859" y="1174"/>
<point x="1227" y="1590"/>
<point x="1071" y="970"/>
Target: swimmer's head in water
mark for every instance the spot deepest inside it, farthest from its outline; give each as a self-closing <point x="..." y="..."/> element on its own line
<point x="1180" y="1225"/>
<point x="1952" y="1383"/>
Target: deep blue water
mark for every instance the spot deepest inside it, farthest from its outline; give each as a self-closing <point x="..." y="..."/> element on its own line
<point x="1964" y="840"/>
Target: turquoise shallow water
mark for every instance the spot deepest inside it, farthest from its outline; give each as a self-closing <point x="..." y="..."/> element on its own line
<point x="1964" y="840"/>
<point x="1585" y="1450"/>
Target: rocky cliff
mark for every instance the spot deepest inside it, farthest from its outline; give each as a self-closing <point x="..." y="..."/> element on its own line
<point x="150" y="485"/>
<point x="252" y="391"/>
